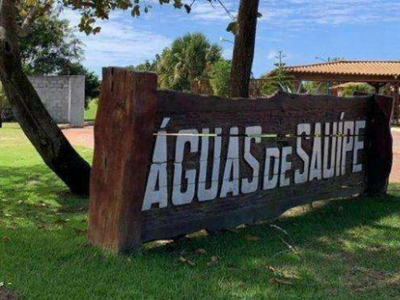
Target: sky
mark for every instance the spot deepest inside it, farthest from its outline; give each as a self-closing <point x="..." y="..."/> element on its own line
<point x="302" y="29"/>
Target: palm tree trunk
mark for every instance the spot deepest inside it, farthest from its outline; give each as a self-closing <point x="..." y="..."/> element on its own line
<point x="243" y="52"/>
<point x="30" y="112"/>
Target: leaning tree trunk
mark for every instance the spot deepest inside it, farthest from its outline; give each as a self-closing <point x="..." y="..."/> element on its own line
<point x="243" y="51"/>
<point x="30" y="112"/>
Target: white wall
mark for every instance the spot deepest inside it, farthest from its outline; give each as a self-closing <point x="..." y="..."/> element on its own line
<point x="63" y="96"/>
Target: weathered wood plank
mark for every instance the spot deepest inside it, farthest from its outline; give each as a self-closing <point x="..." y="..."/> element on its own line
<point x="380" y="145"/>
<point x="123" y="143"/>
<point x="169" y="163"/>
<point x="232" y="211"/>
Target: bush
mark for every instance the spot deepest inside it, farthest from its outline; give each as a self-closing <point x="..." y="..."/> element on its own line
<point x="278" y="80"/>
<point x="350" y="89"/>
<point x="220" y="77"/>
<point x="269" y="88"/>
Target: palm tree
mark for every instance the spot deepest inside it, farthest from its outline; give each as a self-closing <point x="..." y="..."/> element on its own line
<point x="189" y="58"/>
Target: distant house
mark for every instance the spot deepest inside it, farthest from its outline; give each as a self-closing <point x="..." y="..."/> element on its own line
<point x="378" y="74"/>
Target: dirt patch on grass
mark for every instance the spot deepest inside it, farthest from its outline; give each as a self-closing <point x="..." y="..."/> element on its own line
<point x="395" y="175"/>
<point x="6" y="294"/>
<point x="365" y="280"/>
<point x="80" y="136"/>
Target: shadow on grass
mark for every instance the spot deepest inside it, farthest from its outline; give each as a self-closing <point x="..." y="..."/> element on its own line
<point x="38" y="186"/>
<point x="346" y="248"/>
<point x="35" y="193"/>
<point x="335" y="250"/>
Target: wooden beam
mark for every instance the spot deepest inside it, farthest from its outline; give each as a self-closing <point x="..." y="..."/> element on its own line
<point x="380" y="145"/>
<point x="396" y="102"/>
<point x="123" y="143"/>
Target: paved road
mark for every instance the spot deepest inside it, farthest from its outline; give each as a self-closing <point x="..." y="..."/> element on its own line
<point x="84" y="137"/>
<point x="395" y="175"/>
<point x="80" y="136"/>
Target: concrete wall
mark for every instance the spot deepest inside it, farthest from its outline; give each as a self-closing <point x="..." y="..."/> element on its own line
<point x="63" y="96"/>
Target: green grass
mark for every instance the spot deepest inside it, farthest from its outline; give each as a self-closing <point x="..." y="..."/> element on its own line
<point x="346" y="249"/>
<point x="90" y="113"/>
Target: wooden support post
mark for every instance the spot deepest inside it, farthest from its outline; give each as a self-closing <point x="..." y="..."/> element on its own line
<point x="380" y="145"/>
<point x="396" y="103"/>
<point x="124" y="125"/>
<point x="377" y="88"/>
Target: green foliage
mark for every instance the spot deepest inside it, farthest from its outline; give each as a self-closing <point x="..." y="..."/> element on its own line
<point x="91" y="111"/>
<point x="147" y="66"/>
<point x="344" y="249"/>
<point x="5" y="107"/>
<point x="349" y="90"/>
<point x="220" y="77"/>
<point x="270" y="87"/>
<point x="232" y="27"/>
<point x="313" y="87"/>
<point x="278" y="79"/>
<point x="188" y="58"/>
<point x="94" y="9"/>
<point x="50" y="46"/>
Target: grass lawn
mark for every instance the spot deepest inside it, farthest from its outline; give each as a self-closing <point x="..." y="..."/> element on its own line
<point x="346" y="249"/>
<point x="90" y="113"/>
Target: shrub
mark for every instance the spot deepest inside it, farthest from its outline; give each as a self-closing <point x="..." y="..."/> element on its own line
<point x="220" y="77"/>
<point x="349" y="90"/>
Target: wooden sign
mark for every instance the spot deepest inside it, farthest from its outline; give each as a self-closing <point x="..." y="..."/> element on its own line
<point x="168" y="163"/>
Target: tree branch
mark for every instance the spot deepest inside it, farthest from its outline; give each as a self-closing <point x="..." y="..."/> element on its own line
<point x="8" y="39"/>
<point x="33" y="15"/>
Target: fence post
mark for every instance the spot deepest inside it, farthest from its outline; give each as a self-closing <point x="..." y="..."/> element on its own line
<point x="380" y="145"/>
<point x="123" y="141"/>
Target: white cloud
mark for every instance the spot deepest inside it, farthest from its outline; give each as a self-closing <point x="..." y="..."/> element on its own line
<point x="272" y="54"/>
<point x="120" y="43"/>
<point x="290" y="13"/>
<point x="213" y="11"/>
<point x="286" y="24"/>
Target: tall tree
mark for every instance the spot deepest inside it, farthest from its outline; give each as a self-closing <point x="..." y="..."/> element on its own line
<point x="147" y="66"/>
<point x="278" y="79"/>
<point x="243" y="52"/>
<point x="27" y="107"/>
<point x="50" y="47"/>
<point x="190" y="57"/>
<point x="220" y="77"/>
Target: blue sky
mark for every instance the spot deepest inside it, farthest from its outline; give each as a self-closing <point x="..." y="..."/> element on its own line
<point x="303" y="29"/>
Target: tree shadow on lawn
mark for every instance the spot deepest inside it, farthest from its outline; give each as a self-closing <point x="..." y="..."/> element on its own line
<point x="337" y="249"/>
<point x="37" y="186"/>
<point x="344" y="247"/>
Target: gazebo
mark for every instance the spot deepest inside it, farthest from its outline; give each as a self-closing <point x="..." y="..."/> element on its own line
<point x="376" y="73"/>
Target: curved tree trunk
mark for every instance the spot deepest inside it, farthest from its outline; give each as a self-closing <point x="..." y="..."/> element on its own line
<point x="30" y="112"/>
<point x="243" y="51"/>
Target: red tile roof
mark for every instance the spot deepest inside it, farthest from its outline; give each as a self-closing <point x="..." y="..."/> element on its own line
<point x="350" y="68"/>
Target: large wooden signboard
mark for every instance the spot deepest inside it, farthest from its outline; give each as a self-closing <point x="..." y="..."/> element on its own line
<point x="168" y="163"/>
